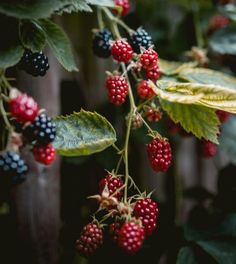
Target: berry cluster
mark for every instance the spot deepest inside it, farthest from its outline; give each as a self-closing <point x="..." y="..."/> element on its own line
<point x="130" y="222"/>
<point x="37" y="128"/>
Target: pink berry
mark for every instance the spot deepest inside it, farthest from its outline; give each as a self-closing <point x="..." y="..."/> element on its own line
<point x="148" y="58"/>
<point x="153" y="74"/>
<point x="144" y="90"/>
<point x="131" y="237"/>
<point x="113" y="184"/>
<point x="208" y="149"/>
<point x="159" y="154"/>
<point x="124" y="4"/>
<point x="44" y="154"/>
<point x="90" y="240"/>
<point x="122" y="51"/>
<point x="23" y="108"/>
<point x="117" y="88"/>
<point x="146" y="210"/>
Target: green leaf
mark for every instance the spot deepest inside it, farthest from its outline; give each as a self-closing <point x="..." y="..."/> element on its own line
<point x="207" y="76"/>
<point x="174" y="67"/>
<point x="199" y="120"/>
<point x="74" y="6"/>
<point x="228" y="11"/>
<point x="223" y="251"/>
<point x="10" y="56"/>
<point x="212" y="96"/>
<point x="223" y="41"/>
<point x="32" y="37"/>
<point x="108" y="3"/>
<point x="59" y="43"/>
<point x="83" y="133"/>
<point x="29" y="9"/>
<point x="228" y="139"/>
<point x="186" y="256"/>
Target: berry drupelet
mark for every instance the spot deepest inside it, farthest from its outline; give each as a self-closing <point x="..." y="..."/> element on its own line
<point x="139" y="39"/>
<point x="34" y="63"/>
<point x="102" y="44"/>
<point x="42" y="130"/>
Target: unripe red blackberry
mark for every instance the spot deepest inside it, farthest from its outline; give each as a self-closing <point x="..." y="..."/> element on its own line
<point x="12" y="168"/>
<point x="131" y="237"/>
<point x="44" y="154"/>
<point x="35" y="64"/>
<point x="141" y="38"/>
<point x="145" y="90"/>
<point x="153" y="74"/>
<point x="91" y="238"/>
<point x="217" y="22"/>
<point x="222" y="115"/>
<point x="117" y="88"/>
<point x="153" y="114"/>
<point x="23" y="108"/>
<point x="124" y="4"/>
<point x="147" y="211"/>
<point x="122" y="51"/>
<point x="136" y="121"/>
<point x="208" y="149"/>
<point x="159" y="154"/>
<point x="148" y="58"/>
<point x="102" y="43"/>
<point x="113" y="184"/>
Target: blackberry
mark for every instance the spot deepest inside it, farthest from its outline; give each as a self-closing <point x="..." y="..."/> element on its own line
<point x="34" y="63"/>
<point x="12" y="168"/>
<point x="42" y="130"/>
<point x="101" y="44"/>
<point x="141" y="39"/>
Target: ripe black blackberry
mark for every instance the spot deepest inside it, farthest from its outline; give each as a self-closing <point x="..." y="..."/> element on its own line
<point x="12" y="168"/>
<point x="42" y="130"/>
<point x="141" y="38"/>
<point x="34" y="63"/>
<point x="101" y="44"/>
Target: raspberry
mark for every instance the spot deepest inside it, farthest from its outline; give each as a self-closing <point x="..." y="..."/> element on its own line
<point x="141" y="38"/>
<point x="131" y="237"/>
<point x="144" y="90"/>
<point x="124" y="4"/>
<point x="101" y="44"/>
<point x="122" y="51"/>
<point x="148" y="58"/>
<point x="114" y="230"/>
<point x="35" y="64"/>
<point x="42" y="130"/>
<point x="23" y="108"/>
<point x="91" y="238"/>
<point x="217" y="22"/>
<point x="208" y="149"/>
<point x="159" y="154"/>
<point x="12" y="168"/>
<point x="44" y="154"/>
<point x="153" y="74"/>
<point x="117" y="88"/>
<point x="222" y="115"/>
<point x="153" y="115"/>
<point x="113" y="184"/>
<point x="146" y="210"/>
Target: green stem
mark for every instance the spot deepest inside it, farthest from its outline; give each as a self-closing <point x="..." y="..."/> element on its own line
<point x="100" y="20"/>
<point x="196" y="20"/>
